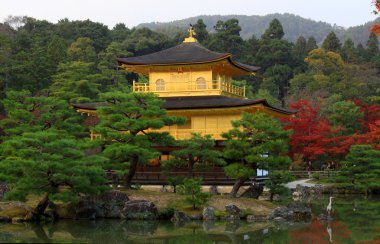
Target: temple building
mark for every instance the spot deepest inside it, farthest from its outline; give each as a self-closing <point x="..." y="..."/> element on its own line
<point x="195" y="83"/>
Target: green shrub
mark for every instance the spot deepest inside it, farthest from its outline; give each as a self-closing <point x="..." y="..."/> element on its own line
<point x="316" y="176"/>
<point x="219" y="214"/>
<point x="192" y="190"/>
<point x="174" y="181"/>
<point x="166" y="213"/>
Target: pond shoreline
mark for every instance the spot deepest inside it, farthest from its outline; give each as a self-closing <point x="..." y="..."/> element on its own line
<point x="154" y="204"/>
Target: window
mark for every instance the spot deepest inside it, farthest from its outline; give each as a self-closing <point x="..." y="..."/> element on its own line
<point x="160" y="85"/>
<point x="201" y="83"/>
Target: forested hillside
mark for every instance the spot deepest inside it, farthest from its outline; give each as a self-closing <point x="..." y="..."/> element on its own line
<point x="294" y="26"/>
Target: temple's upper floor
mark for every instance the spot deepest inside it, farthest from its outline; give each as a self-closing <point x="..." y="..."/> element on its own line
<point x="188" y="69"/>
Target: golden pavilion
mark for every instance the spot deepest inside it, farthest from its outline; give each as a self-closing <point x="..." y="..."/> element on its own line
<point x="195" y="83"/>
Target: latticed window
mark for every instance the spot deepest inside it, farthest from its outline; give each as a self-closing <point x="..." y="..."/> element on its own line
<point x="201" y="83"/>
<point x="160" y="85"/>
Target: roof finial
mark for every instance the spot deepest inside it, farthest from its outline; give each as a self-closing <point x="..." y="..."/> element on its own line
<point x="192" y="33"/>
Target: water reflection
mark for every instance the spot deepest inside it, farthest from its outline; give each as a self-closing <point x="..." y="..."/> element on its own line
<point x="353" y="221"/>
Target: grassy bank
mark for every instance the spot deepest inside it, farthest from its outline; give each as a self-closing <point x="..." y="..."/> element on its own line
<point x="171" y="200"/>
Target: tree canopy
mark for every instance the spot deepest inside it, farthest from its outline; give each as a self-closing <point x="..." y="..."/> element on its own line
<point x="129" y="127"/>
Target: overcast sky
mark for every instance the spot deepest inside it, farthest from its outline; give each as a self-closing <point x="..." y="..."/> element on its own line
<point x="344" y="13"/>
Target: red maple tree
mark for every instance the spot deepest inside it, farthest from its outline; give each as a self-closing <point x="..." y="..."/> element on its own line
<point x="376" y="27"/>
<point x="372" y="137"/>
<point x="371" y="114"/>
<point x="313" y="136"/>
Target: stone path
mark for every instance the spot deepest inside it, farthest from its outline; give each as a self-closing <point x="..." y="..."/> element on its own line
<point x="293" y="184"/>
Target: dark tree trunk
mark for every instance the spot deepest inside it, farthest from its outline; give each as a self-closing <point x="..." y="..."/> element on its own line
<point x="238" y="183"/>
<point x="41" y="206"/>
<point x="191" y="173"/>
<point x="271" y="197"/>
<point x="131" y="172"/>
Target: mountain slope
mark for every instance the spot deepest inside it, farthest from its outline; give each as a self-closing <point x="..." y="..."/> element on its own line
<point x="294" y="26"/>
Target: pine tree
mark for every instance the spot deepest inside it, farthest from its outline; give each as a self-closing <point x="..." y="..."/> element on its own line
<point x="373" y="45"/>
<point x="256" y="141"/>
<point x="349" y="54"/>
<point x="311" y="44"/>
<point x="299" y="48"/>
<point x="40" y="154"/>
<point x="127" y="129"/>
<point x="76" y="82"/>
<point x="192" y="189"/>
<point x="361" y="168"/>
<point x="332" y="43"/>
<point x="201" y="31"/>
<point x="274" y="31"/>
<point x="113" y="77"/>
<point x="227" y="37"/>
<point x="28" y="113"/>
<point x="82" y="50"/>
<point x="50" y="163"/>
<point x="347" y="115"/>
<point x="195" y="152"/>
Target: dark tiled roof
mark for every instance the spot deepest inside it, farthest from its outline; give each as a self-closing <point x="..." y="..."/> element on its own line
<point x="199" y="102"/>
<point x="184" y="53"/>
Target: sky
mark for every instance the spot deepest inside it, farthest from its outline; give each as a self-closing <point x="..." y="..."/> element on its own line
<point x="344" y="13"/>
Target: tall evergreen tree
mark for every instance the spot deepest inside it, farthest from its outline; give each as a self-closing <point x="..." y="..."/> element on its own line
<point x="362" y="53"/>
<point x="5" y="65"/>
<point x="127" y="127"/>
<point x="311" y="44"/>
<point x="50" y="163"/>
<point x="82" y="50"/>
<point x="274" y="31"/>
<point x="299" y="48"/>
<point x="201" y="31"/>
<point x="113" y="77"/>
<point x="349" y="52"/>
<point x="251" y="47"/>
<point x="76" y="82"/>
<point x="227" y="37"/>
<point x="57" y="51"/>
<point x="300" y="52"/>
<point x="40" y="154"/>
<point x="361" y="169"/>
<point x="276" y="79"/>
<point x="119" y="33"/>
<point x="332" y="43"/>
<point x="347" y="115"/>
<point x="28" y="113"/>
<point x="373" y="44"/>
<point x="255" y="141"/>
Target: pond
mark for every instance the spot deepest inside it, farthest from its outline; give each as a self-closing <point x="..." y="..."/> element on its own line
<point x="355" y="220"/>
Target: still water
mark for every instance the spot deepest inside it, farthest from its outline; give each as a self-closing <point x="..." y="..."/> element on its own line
<point x="355" y="220"/>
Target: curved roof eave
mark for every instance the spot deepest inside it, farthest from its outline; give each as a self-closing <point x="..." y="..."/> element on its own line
<point x="204" y="102"/>
<point x="121" y="60"/>
<point x="245" y="67"/>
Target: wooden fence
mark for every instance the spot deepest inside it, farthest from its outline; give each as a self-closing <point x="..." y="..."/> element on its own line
<point x="159" y="178"/>
<point x="208" y="178"/>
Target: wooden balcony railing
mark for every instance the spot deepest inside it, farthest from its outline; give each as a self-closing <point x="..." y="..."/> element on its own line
<point x="191" y="86"/>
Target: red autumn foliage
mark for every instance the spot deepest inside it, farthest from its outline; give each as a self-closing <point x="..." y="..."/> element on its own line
<point x="371" y="114"/>
<point x="376" y="27"/>
<point x="316" y="232"/>
<point x="372" y="137"/>
<point x="313" y="136"/>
